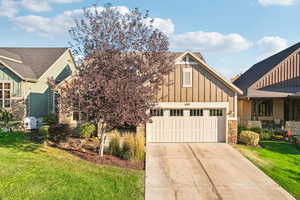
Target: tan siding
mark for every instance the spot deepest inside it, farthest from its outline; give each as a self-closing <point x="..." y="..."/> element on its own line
<point x="201" y="86"/>
<point x="171" y="87"/>
<point x="177" y="84"/>
<point x="165" y="92"/>
<point x="205" y="88"/>
<point x="195" y="96"/>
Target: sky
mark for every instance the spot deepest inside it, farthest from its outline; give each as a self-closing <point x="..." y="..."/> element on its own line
<point x="232" y="35"/>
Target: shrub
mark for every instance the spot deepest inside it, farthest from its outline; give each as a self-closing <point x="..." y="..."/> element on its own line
<point x="128" y="147"/>
<point x="114" y="144"/>
<point x="297" y="141"/>
<point x="249" y="138"/>
<point x="241" y="128"/>
<point x="134" y="147"/>
<point x="59" y="132"/>
<point x="139" y="147"/>
<point x="51" y="119"/>
<point x="266" y="135"/>
<point x="44" y="130"/>
<point x="87" y="130"/>
<point x="257" y="129"/>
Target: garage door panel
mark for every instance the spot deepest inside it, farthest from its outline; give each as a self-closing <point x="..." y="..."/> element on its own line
<point x="186" y="128"/>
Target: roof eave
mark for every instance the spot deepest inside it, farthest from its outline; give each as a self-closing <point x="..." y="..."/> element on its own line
<point x="217" y="75"/>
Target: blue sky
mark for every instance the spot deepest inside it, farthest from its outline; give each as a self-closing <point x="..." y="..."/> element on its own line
<point x="231" y="34"/>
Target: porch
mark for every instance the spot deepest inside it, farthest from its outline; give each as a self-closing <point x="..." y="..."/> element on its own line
<point x="270" y="113"/>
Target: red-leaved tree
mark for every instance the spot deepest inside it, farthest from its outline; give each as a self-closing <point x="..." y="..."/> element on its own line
<point x="124" y="62"/>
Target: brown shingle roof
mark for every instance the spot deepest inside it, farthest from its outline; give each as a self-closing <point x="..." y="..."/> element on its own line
<point x="35" y="61"/>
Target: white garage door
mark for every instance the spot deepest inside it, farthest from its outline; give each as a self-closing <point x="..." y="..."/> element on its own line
<point x="186" y="125"/>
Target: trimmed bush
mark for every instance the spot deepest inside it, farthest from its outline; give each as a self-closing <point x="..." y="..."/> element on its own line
<point x="114" y="144"/>
<point x="44" y="130"/>
<point x="59" y="132"/>
<point x="87" y="130"/>
<point x="249" y="138"/>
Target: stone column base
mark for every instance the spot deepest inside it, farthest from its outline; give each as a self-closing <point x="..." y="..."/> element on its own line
<point x="232" y="131"/>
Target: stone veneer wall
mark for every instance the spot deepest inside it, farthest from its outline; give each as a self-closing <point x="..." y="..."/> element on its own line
<point x="18" y="109"/>
<point x="232" y="131"/>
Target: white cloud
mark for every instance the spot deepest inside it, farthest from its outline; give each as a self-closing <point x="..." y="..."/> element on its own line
<point x="36" y="5"/>
<point x="8" y="8"/>
<point x="209" y="41"/>
<point x="164" y="25"/>
<point x="277" y="2"/>
<point x="48" y="27"/>
<point x="271" y="45"/>
<point x="44" y="26"/>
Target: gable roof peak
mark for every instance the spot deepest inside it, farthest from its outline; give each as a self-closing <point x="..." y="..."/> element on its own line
<point x="259" y="69"/>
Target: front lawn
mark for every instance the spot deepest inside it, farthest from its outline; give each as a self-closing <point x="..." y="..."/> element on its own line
<point x="278" y="159"/>
<point x="30" y="171"/>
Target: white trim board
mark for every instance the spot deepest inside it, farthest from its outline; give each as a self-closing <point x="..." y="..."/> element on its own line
<point x="191" y="105"/>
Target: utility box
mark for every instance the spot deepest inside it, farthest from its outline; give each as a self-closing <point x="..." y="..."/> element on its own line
<point x="30" y="123"/>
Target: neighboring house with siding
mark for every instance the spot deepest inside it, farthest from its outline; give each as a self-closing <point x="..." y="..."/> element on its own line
<point x="24" y="76"/>
<point x="194" y="104"/>
<point x="271" y="89"/>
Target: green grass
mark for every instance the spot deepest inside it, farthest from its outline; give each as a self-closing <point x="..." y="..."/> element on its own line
<point x="30" y="171"/>
<point x="278" y="159"/>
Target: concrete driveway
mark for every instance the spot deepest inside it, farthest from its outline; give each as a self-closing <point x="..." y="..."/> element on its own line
<point x="205" y="171"/>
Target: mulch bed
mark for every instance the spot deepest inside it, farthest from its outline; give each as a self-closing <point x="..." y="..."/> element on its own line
<point x="108" y="160"/>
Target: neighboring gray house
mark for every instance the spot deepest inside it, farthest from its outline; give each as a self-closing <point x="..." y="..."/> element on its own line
<point x="24" y="75"/>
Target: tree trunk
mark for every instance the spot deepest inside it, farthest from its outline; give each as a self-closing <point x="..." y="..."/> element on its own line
<point x="101" y="131"/>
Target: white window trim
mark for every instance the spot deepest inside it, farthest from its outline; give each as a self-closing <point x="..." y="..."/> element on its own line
<point x="10" y="92"/>
<point x="190" y="70"/>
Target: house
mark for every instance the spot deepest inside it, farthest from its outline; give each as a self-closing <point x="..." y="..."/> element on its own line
<point x="271" y="90"/>
<point x="194" y="104"/>
<point x="24" y="77"/>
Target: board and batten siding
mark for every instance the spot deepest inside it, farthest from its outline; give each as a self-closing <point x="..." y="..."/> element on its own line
<point x="285" y="74"/>
<point x="7" y="75"/>
<point x="205" y="88"/>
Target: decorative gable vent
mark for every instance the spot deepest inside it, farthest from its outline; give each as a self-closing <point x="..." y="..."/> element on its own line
<point x="187" y="77"/>
<point x="187" y="60"/>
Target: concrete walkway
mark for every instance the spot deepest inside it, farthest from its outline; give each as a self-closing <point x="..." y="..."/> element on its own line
<point x="205" y="171"/>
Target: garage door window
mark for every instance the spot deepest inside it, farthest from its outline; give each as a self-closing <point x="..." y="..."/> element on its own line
<point x="176" y="112"/>
<point x="216" y="112"/>
<point x="157" y="113"/>
<point x="196" y="112"/>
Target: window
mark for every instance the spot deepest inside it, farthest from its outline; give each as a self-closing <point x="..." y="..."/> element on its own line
<point x="262" y="108"/>
<point x="5" y="94"/>
<point x="187" y="77"/>
<point x="215" y="112"/>
<point x="176" y="112"/>
<point x="196" y="112"/>
<point x="157" y="113"/>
